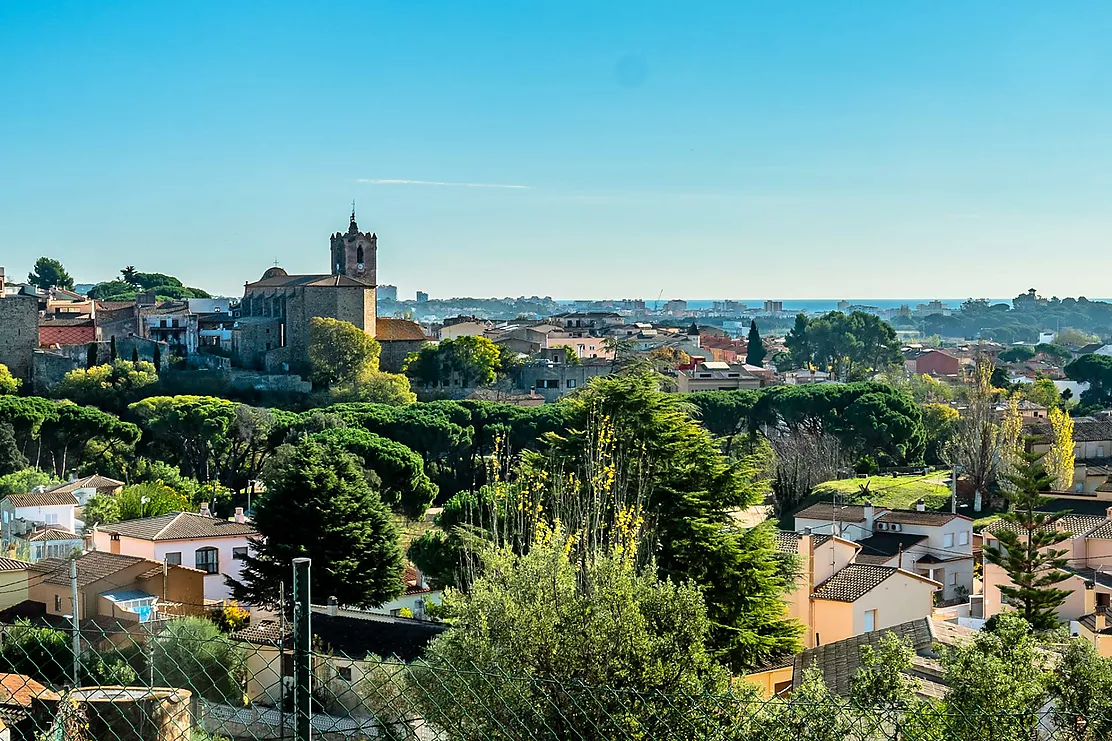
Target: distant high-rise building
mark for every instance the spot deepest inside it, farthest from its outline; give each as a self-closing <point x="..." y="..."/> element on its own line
<point x="387" y="293"/>
<point x="773" y="307"/>
<point x="676" y="306"/>
<point x="422" y="297"/>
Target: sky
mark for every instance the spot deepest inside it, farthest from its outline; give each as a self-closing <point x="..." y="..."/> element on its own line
<point x="699" y="150"/>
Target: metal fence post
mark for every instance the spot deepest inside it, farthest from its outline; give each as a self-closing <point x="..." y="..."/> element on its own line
<point x="302" y="652"/>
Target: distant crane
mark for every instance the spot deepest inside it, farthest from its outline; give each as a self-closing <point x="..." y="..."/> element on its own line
<point x="656" y="305"/>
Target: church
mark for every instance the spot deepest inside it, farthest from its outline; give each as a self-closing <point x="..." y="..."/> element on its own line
<point x="271" y="333"/>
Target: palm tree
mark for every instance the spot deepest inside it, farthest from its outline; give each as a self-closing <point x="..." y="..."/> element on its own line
<point x="128" y="274"/>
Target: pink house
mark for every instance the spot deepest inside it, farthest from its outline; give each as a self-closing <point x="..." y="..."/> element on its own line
<point x="585" y="347"/>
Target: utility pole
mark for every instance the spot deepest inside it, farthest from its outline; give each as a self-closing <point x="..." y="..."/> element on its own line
<point x="302" y="652"/>
<point x="76" y="621"/>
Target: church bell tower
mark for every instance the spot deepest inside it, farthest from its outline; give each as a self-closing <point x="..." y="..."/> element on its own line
<point x="355" y="253"/>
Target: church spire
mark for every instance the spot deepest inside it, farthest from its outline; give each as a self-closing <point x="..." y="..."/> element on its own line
<point x="353" y="227"/>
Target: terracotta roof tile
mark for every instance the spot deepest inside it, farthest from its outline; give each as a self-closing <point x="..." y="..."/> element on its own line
<point x="179" y="526"/>
<point x="19" y="689"/>
<point x="853" y="582"/>
<point x="96" y="481"/>
<point x="42" y="499"/>
<point x="398" y="330"/>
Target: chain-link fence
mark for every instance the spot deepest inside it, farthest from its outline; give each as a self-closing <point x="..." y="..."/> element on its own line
<point x="313" y="676"/>
<point x="184" y="678"/>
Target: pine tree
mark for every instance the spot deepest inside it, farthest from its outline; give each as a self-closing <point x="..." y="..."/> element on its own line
<point x="318" y="505"/>
<point x="11" y="459"/>
<point x="1026" y="550"/>
<point x="756" y="353"/>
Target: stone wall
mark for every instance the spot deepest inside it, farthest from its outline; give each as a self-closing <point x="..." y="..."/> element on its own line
<point x="50" y="367"/>
<point x="19" y="334"/>
<point x="394" y="353"/>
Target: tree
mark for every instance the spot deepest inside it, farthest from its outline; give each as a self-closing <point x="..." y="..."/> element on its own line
<point x="375" y="387"/>
<point x="405" y="487"/>
<point x="852" y="347"/>
<point x="101" y="510"/>
<point x="43" y="654"/>
<point x="111" y="387"/>
<point x="533" y="625"/>
<point x="128" y="274"/>
<point x="975" y="445"/>
<point x="318" y="504"/>
<point x="156" y="358"/>
<point x="1071" y="337"/>
<point x="150" y="500"/>
<point x="113" y="355"/>
<point x="192" y="653"/>
<point x="11" y="458"/>
<point x="1042" y="392"/>
<point x="1082" y="689"/>
<point x="756" y="351"/>
<point x="9" y="384"/>
<point x="666" y="463"/>
<point x="24" y="481"/>
<point x="1026" y="550"/>
<point x="1096" y="370"/>
<point x="1059" y="459"/>
<point x="464" y="361"/>
<point x="940" y="422"/>
<point x="1017" y="354"/>
<point x="91" y="352"/>
<point x="997" y="683"/>
<point x="49" y="273"/>
<point x="340" y="353"/>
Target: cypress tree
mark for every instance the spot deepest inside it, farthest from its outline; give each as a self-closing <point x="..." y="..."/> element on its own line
<point x="112" y="349"/>
<point x="157" y="358"/>
<point x="756" y="353"/>
<point x="318" y="505"/>
<point x="135" y="354"/>
<point x="91" y="355"/>
<point x="1026" y="538"/>
<point x="11" y="459"/>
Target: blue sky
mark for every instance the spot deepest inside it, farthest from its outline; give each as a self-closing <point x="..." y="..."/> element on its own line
<point x="713" y="149"/>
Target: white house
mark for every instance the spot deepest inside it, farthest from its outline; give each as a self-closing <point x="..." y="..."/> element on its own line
<point x="88" y="487"/>
<point x="21" y="514"/>
<point x="936" y="545"/>
<point x="198" y="540"/>
<point x="416" y="598"/>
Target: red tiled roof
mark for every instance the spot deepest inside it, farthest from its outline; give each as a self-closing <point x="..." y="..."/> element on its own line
<point x="19" y="689"/>
<point x="398" y="330"/>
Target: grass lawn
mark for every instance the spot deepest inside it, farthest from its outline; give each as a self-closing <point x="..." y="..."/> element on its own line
<point x="894" y="492"/>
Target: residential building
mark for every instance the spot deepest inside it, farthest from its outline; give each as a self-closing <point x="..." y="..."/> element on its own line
<point x="1089" y="570"/>
<point x="931" y="362"/>
<point x="675" y="307"/>
<point x="934" y="545"/>
<point x="773" y="307"/>
<point x="717" y="376"/>
<point x="87" y="487"/>
<point x="589" y="321"/>
<point x="421" y="297"/>
<point x="387" y="293"/>
<point x="463" y="326"/>
<point x="272" y="332"/>
<point x="554" y="380"/>
<point x="840" y="660"/>
<point x="346" y="638"/>
<point x="213" y="546"/>
<point x="836" y="597"/>
<point x="116" y="586"/>
<point x="416" y="598"/>
<point x="1092" y="452"/>
<point x="13" y="582"/>
<point x="806" y="375"/>
<point x="585" y="346"/>
<point x="1097" y="630"/>
<point x="47" y="542"/>
<point x="21" y="514"/>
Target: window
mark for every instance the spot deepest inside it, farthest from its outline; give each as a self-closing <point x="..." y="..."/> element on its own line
<point x="344" y="672"/>
<point x="208" y="560"/>
<point x="358" y="259"/>
<point x="953" y="578"/>
<point x="948" y="540"/>
<point x="571" y="383"/>
<point x="162" y="323"/>
<point x="963" y="537"/>
<point x="870" y="621"/>
<point x="57" y="603"/>
<point x="173" y="559"/>
<point x="1100" y="451"/>
<point x="52" y="519"/>
<point x="239" y="553"/>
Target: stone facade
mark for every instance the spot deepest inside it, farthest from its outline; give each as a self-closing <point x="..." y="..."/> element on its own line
<point x="272" y="333"/>
<point x="19" y="333"/>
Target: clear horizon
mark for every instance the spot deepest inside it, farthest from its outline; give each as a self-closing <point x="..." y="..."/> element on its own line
<point x="566" y="149"/>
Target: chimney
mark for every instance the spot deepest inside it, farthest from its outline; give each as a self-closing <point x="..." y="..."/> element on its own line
<point x="1100" y="621"/>
<point x="333" y="606"/>
<point x="920" y="506"/>
<point x="1108" y="513"/>
<point x="205" y="510"/>
<point x="870" y="517"/>
<point x="240" y="518"/>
